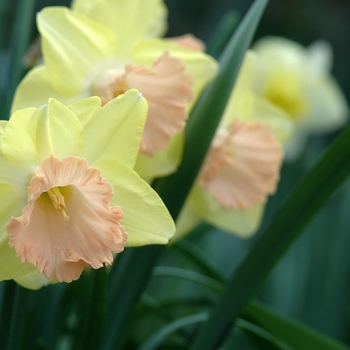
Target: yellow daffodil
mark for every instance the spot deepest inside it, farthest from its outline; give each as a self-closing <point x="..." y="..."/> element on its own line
<point x="83" y="57"/>
<point x="298" y="80"/>
<point x="72" y="197"/>
<point x="242" y="166"/>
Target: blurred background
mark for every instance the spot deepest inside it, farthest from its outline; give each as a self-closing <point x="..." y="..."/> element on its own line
<point x="312" y="282"/>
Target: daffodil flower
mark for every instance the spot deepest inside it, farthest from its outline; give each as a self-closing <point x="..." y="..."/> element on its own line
<point x="243" y="163"/>
<point x="84" y="57"/>
<point x="72" y="197"/>
<point x="298" y="80"/>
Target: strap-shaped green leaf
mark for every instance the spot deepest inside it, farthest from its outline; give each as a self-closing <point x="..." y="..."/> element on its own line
<point x="261" y="338"/>
<point x="223" y="33"/>
<point x="293" y="333"/>
<point x="158" y="337"/>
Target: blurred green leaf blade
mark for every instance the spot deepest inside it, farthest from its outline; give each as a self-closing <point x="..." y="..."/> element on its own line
<point x="291" y="332"/>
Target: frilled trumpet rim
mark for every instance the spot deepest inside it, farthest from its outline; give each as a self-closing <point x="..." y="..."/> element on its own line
<point x="68" y="220"/>
<point x="242" y="166"/>
<point x="167" y="87"/>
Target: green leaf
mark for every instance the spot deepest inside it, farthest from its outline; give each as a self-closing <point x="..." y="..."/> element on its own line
<point x="301" y="206"/>
<point x="200" y="258"/>
<point x="157" y="338"/>
<point x="295" y="334"/>
<point x="223" y="33"/>
<point x="192" y="276"/>
<point x="260" y="337"/>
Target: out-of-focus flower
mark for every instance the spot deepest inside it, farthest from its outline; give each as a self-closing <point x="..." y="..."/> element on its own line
<point x="298" y="80"/>
<point x="84" y="57"/>
<point x="242" y="166"/>
<point x="72" y="197"/>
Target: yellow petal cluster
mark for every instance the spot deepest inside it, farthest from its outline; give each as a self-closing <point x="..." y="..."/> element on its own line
<point x="106" y="47"/>
<point x="80" y="158"/>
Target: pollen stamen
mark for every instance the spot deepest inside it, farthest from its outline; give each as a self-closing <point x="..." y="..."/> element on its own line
<point x="58" y="201"/>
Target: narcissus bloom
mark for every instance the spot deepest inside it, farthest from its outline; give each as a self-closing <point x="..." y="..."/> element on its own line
<point x="298" y="80"/>
<point x="84" y="57"/>
<point x="242" y="166"/>
<point x="72" y="197"/>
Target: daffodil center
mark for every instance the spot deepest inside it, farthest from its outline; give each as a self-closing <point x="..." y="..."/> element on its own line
<point x="61" y="248"/>
<point x="58" y="201"/>
<point x="109" y="84"/>
<point x="283" y="89"/>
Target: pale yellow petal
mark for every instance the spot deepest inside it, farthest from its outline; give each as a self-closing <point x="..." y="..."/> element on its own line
<point x="10" y="265"/>
<point x="320" y="56"/>
<point x="35" y="90"/>
<point x="273" y="50"/>
<point x="72" y="47"/>
<point x="146" y="219"/>
<point x="33" y="280"/>
<point x="12" y="175"/>
<point x="330" y="109"/>
<point x="189" y="41"/>
<point x="116" y="129"/>
<point x="129" y="20"/>
<point x="84" y="6"/>
<point x="86" y="109"/>
<point x="284" y="73"/>
<point x="13" y="201"/>
<point x="161" y="163"/>
<point x="241" y="101"/>
<point x="186" y="221"/>
<point x="33" y="134"/>
<point x="281" y="125"/>
<point x="3" y="124"/>
<point x="243" y="223"/>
